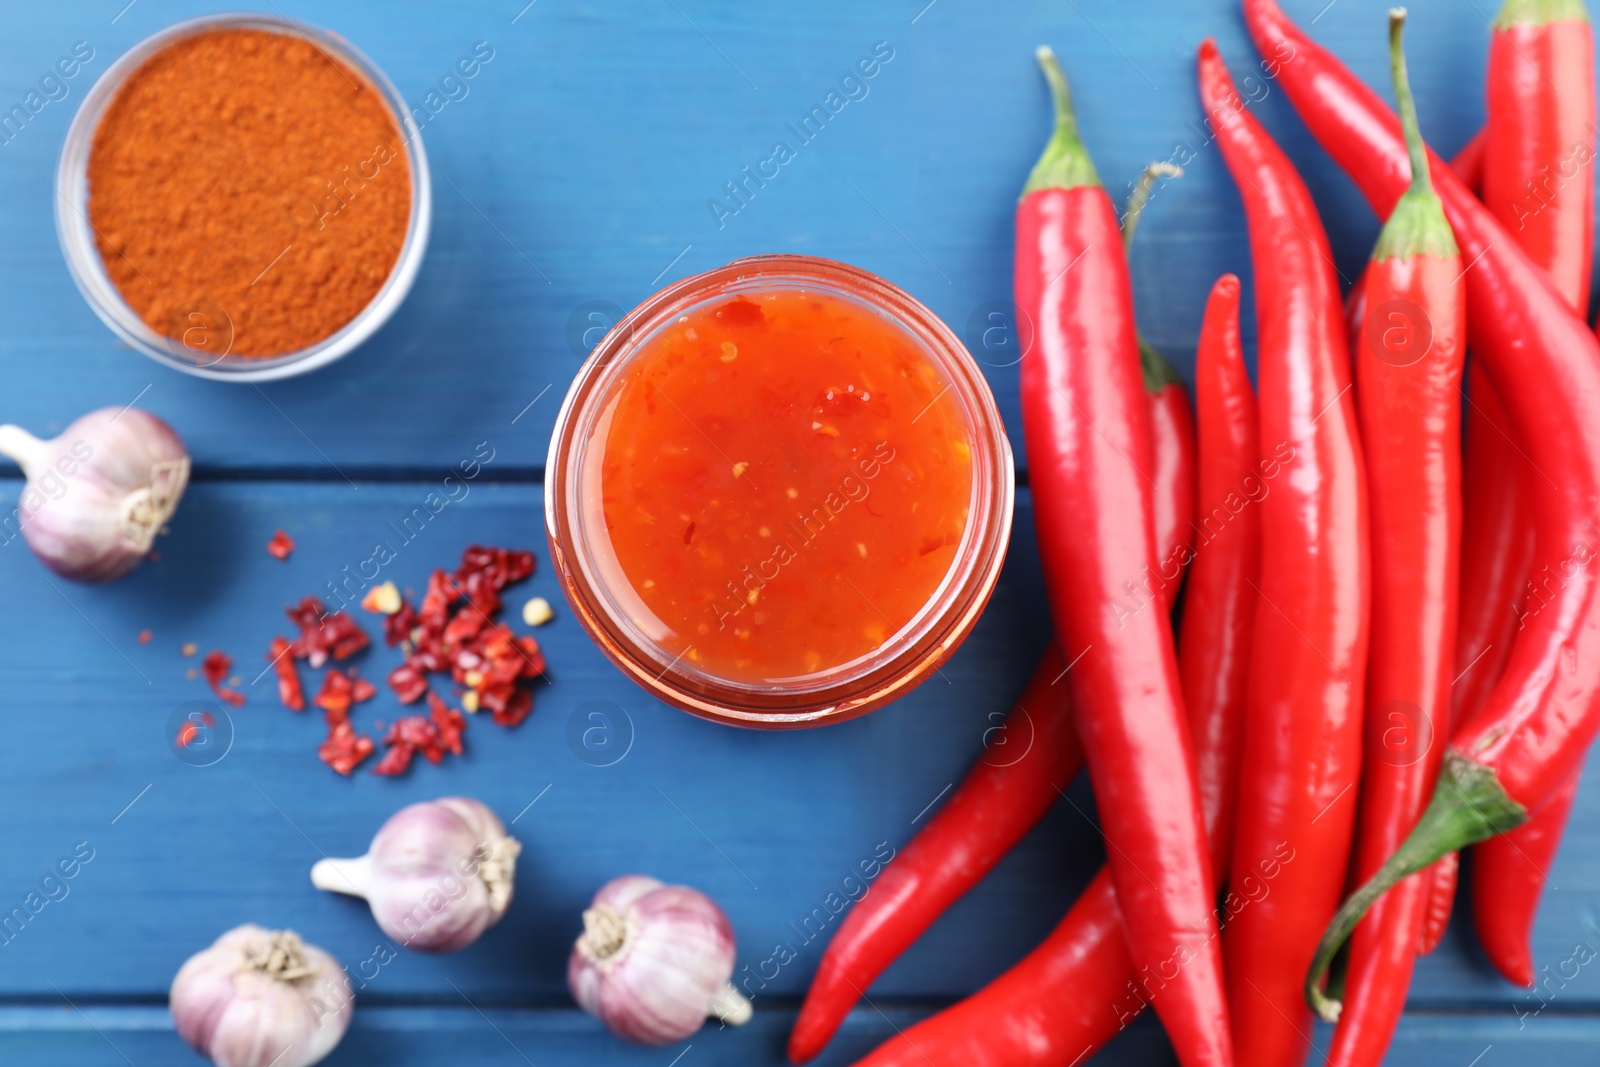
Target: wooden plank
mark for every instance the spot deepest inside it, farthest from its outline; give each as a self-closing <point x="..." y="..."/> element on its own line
<point x="770" y="824"/>
<point x="577" y="171"/>
<point x="95" y="1036"/>
<point x="767" y="823"/>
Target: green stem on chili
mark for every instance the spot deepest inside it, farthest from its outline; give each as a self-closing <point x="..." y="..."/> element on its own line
<point x="1468" y="806"/>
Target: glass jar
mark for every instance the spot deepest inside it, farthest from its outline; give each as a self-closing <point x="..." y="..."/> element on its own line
<point x="611" y="610"/>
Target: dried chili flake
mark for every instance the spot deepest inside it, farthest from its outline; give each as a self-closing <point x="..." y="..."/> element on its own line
<point x="532" y="658"/>
<point x="454" y="629"/>
<point x="344" y="749"/>
<point x="442" y="592"/>
<point x="408" y="736"/>
<point x="516" y="708"/>
<point x="397" y="627"/>
<point x="408" y="683"/>
<point x="290" y="691"/>
<point x="395" y="761"/>
<point x="280" y="546"/>
<point x="189" y="731"/>
<point x="504" y="566"/>
<point x="145" y="636"/>
<point x="324" y="635"/>
<point x="449" y="723"/>
<point x="466" y="625"/>
<point x="340" y="691"/>
<point x="216" y="666"/>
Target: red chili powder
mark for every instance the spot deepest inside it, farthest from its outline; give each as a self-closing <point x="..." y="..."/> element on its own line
<point x="249" y="193"/>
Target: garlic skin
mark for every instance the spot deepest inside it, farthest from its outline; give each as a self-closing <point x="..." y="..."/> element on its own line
<point x="438" y="874"/>
<point x="654" y="961"/>
<point x="97" y="495"/>
<point x="261" y="998"/>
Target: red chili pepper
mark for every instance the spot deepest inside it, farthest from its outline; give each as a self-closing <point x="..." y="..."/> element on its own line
<point x="1540" y="147"/>
<point x="1540" y="151"/>
<point x="1491" y="524"/>
<point x="1219" y="612"/>
<point x="1303" y="717"/>
<point x="1172" y="446"/>
<point x="1172" y="434"/>
<point x="1052" y="1009"/>
<point x="1003" y="796"/>
<point x="1408" y="362"/>
<point x="1085" y="419"/>
<point x="1507" y="883"/>
<point x="1518" y="751"/>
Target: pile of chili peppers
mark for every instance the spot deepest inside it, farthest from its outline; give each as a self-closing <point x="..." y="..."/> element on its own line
<point x="1388" y="645"/>
<point x="455" y="631"/>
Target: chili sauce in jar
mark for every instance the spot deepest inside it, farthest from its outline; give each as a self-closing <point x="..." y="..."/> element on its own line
<point x="779" y="493"/>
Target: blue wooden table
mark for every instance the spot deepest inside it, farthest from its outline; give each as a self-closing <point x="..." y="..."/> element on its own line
<point x="580" y="171"/>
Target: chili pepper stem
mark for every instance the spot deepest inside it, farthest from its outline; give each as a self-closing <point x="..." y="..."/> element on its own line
<point x="28" y="451"/>
<point x="1065" y="163"/>
<point x="1158" y="372"/>
<point x="1143" y="189"/>
<point x="351" y="876"/>
<point x="1418" y="226"/>
<point x="1469" y="805"/>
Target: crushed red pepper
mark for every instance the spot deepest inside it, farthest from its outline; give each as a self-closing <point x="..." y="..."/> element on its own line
<point x="189" y="731"/>
<point x="216" y="666"/>
<point x="290" y="693"/>
<point x="280" y="546"/>
<point x="324" y="636"/>
<point x="454" y="632"/>
<point x="344" y="749"/>
<point x="340" y="691"/>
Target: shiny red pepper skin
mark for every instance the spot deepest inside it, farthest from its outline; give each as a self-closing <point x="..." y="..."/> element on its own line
<point x="1219" y="610"/>
<point x="1172" y="446"/>
<point x="1079" y="988"/>
<point x="1303" y="715"/>
<point x="1505" y="901"/>
<point x="1086" y="424"/>
<point x="1541" y="130"/>
<point x="1496" y="549"/>
<point x="1408" y="365"/>
<point x="1519" y="749"/>
<point x="1002" y="797"/>
<point x="1541" y="134"/>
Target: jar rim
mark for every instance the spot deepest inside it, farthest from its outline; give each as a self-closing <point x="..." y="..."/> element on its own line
<point x="843" y="691"/>
<point x="75" y="232"/>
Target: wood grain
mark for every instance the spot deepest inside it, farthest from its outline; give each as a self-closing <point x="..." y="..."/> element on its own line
<point x="572" y="178"/>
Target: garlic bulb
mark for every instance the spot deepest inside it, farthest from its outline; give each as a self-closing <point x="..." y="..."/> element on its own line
<point x="654" y="961"/>
<point x="438" y="874"/>
<point x="261" y="997"/>
<point x="97" y="495"/>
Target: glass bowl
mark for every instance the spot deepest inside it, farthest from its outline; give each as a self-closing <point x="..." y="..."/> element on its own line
<point x="580" y="549"/>
<point x="76" y="233"/>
